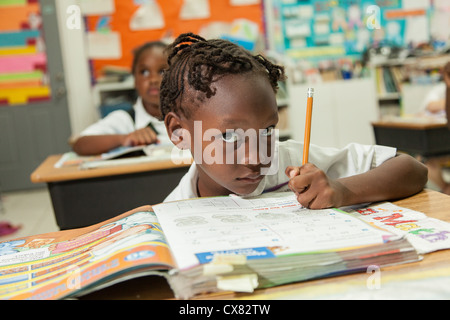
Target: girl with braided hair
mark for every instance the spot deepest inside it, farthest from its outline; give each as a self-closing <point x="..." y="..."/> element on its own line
<point x="218" y="101"/>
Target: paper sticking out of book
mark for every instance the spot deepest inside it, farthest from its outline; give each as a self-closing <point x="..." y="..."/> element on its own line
<point x="238" y="283"/>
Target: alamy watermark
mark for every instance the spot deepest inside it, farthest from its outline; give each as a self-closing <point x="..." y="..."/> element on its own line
<point x="234" y="146"/>
<point x="74" y="279"/>
<point x="73" y="21"/>
<point x="373" y="17"/>
<point x="374" y="280"/>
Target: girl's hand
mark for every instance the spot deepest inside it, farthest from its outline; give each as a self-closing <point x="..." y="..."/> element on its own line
<point x="314" y="189"/>
<point x="139" y="137"/>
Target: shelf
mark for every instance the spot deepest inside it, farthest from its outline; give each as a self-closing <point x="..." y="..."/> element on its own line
<point x="113" y="86"/>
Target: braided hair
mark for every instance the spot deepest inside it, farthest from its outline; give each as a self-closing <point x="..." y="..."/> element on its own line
<point x="195" y="64"/>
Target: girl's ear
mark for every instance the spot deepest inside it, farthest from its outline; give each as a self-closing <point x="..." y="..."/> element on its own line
<point x="179" y="136"/>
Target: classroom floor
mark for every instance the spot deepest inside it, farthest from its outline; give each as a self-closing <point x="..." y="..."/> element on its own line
<point x="30" y="209"/>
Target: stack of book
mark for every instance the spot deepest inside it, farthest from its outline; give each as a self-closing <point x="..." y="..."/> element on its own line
<point x="211" y="244"/>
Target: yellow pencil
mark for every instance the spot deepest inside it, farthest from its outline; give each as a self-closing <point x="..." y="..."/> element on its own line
<point x="309" y="105"/>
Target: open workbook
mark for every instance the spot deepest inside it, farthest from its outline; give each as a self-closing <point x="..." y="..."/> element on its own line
<point x="213" y="244"/>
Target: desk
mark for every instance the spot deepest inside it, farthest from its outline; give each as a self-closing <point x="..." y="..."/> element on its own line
<point x="435" y="267"/>
<point x="84" y="197"/>
<point x="416" y="138"/>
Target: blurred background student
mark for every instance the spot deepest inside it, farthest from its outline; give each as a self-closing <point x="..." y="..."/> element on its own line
<point x="140" y="126"/>
<point x="435" y="106"/>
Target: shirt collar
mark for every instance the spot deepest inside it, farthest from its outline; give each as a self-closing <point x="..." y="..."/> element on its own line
<point x="142" y="118"/>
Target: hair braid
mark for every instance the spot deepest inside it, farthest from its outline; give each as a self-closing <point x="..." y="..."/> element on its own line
<point x="196" y="63"/>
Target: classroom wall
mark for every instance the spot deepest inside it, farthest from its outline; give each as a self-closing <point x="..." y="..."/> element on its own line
<point x="76" y="69"/>
<point x="81" y="70"/>
<point x="174" y="18"/>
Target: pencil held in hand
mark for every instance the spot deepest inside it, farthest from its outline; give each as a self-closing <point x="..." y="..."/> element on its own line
<point x="309" y="105"/>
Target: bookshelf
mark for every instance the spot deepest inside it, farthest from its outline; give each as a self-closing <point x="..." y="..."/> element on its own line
<point x="388" y="82"/>
<point x="110" y="96"/>
<point x="403" y="84"/>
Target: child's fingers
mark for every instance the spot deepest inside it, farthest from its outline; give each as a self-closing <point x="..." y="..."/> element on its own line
<point x="143" y="137"/>
<point x="311" y="187"/>
<point x="292" y="171"/>
<point x="148" y="136"/>
<point x="307" y="168"/>
<point x="307" y="199"/>
<point x="300" y="183"/>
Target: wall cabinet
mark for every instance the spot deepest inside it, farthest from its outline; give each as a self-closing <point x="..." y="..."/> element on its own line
<point x="343" y="111"/>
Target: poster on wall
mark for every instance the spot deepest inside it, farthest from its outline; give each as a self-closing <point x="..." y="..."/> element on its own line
<point x="244" y="2"/>
<point x="148" y="16"/>
<point x="195" y="9"/>
<point x="139" y="21"/>
<point x="97" y="7"/>
<point x="23" y="60"/>
<point x="104" y="45"/>
<point x="334" y="28"/>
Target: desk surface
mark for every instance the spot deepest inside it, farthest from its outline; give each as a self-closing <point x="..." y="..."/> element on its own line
<point x="416" y="137"/>
<point x="46" y="172"/>
<point x="396" y="281"/>
<point x="410" y="124"/>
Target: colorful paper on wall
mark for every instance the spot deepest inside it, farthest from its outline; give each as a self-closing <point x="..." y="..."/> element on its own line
<point x="244" y="2"/>
<point x="243" y="32"/>
<point x="134" y="33"/>
<point x="195" y="9"/>
<point x="97" y="7"/>
<point x="104" y="45"/>
<point x="24" y="95"/>
<point x="148" y="16"/>
<point x="18" y="38"/>
<point x="15" y="17"/>
<point x="23" y="62"/>
<point x="352" y="25"/>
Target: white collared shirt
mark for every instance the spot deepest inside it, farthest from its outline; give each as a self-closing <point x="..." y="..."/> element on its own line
<point x="120" y="122"/>
<point x="336" y="163"/>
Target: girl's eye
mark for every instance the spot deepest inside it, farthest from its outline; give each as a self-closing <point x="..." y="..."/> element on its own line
<point x="230" y="137"/>
<point x="268" y="131"/>
<point x="145" y="73"/>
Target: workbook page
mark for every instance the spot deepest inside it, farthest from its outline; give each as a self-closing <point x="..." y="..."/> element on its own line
<point x="197" y="227"/>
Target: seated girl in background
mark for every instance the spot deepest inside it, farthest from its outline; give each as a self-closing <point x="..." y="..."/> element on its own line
<point x="435" y="106"/>
<point x="140" y="126"/>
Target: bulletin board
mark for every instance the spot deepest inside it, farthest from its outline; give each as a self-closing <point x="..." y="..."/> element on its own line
<point x="314" y="29"/>
<point x="115" y="24"/>
<point x="23" y="61"/>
